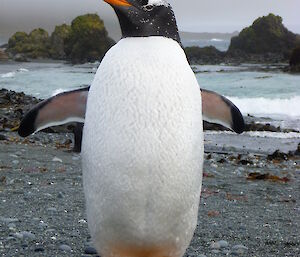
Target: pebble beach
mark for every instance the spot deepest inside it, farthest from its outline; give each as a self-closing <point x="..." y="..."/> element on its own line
<point x="249" y="203"/>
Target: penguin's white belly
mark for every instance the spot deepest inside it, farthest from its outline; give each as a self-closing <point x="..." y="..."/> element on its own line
<point x="143" y="146"/>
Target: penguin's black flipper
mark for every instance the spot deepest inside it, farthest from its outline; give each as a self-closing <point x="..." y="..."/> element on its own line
<point x="57" y="110"/>
<point x="218" y="109"/>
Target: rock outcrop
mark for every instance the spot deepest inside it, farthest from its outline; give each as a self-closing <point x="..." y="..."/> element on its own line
<point x="3" y="56"/>
<point x="267" y="38"/>
<point x="295" y="60"/>
<point x="57" y="40"/>
<point x="88" y="40"/>
<point x="204" y="55"/>
<point x="34" y="45"/>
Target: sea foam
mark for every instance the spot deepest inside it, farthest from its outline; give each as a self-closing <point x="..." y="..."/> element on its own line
<point x="263" y="107"/>
<point x="8" y="75"/>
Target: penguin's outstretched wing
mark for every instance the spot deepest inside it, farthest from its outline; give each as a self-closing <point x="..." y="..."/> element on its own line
<point x="218" y="109"/>
<point x="57" y="110"/>
<point x="71" y="106"/>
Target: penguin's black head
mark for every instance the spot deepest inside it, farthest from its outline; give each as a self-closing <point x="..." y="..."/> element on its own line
<point x="144" y="18"/>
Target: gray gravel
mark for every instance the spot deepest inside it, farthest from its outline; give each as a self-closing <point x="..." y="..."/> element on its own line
<point x="42" y="203"/>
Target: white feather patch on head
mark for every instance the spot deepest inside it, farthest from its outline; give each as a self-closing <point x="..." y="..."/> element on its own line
<point x="158" y="2"/>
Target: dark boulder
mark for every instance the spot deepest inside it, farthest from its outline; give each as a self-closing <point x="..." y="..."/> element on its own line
<point x="3" y="56"/>
<point x="295" y="60"/>
<point x="278" y="156"/>
<point x="204" y="55"/>
<point x="20" y="58"/>
<point x="57" y="40"/>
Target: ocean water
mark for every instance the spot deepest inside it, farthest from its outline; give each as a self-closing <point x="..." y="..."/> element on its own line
<point x="43" y="80"/>
<point x="220" y="44"/>
<point x="271" y="95"/>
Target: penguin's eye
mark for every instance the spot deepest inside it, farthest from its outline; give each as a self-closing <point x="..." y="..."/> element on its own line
<point x="148" y="7"/>
<point x="144" y="2"/>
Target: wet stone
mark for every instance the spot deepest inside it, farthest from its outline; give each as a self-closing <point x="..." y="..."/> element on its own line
<point x="60" y="195"/>
<point x="11" y="225"/>
<point x="239" y="249"/>
<point x="43" y="225"/>
<point x="90" y="250"/>
<point x="66" y="248"/>
<point x="52" y="210"/>
<point x="8" y="220"/>
<point x="215" y="245"/>
<point x="25" y="235"/>
<point x="223" y="243"/>
<point x="3" y="138"/>
<point x="39" y="249"/>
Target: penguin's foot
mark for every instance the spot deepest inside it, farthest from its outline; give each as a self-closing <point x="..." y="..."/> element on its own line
<point x="146" y="251"/>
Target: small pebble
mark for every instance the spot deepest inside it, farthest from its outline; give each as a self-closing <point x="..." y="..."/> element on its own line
<point x="19" y="235"/>
<point x="43" y="225"/>
<point x="39" y="249"/>
<point x="215" y="251"/>
<point x="60" y="195"/>
<point x="226" y="251"/>
<point x="213" y="165"/>
<point x="223" y="243"/>
<point x="215" y="245"/>
<point x="25" y="235"/>
<point x="28" y="235"/>
<point x="55" y="159"/>
<point x="65" y="248"/>
<point x="11" y="225"/>
<point x="3" y="138"/>
<point x="8" y="220"/>
<point x="50" y="230"/>
<point x="239" y="249"/>
<point x="52" y="209"/>
<point x="90" y="250"/>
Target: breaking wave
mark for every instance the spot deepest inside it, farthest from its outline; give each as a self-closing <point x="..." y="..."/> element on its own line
<point x="268" y="107"/>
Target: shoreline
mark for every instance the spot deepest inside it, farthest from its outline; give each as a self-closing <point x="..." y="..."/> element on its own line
<point x="281" y="66"/>
<point x="14" y="105"/>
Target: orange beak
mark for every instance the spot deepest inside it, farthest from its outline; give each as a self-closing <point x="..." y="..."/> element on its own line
<point x="118" y="2"/>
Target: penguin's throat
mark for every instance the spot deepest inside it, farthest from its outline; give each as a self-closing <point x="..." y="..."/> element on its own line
<point x="147" y="27"/>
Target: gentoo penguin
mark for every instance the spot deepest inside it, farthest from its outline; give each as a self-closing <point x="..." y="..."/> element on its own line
<point x="142" y="150"/>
